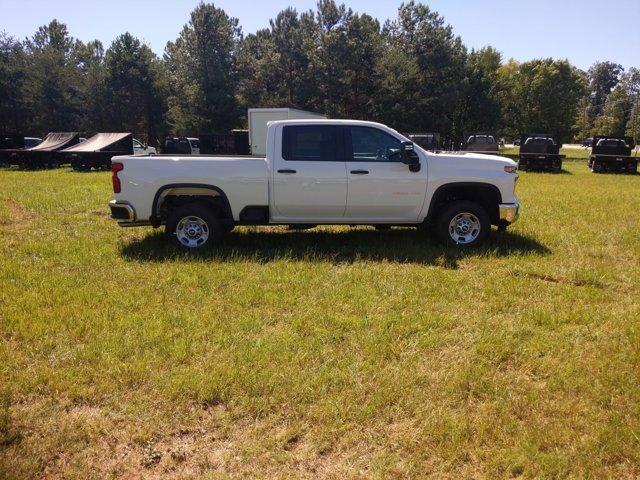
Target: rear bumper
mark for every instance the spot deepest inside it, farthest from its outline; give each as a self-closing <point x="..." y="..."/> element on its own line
<point x="509" y="212"/>
<point x="123" y="212"/>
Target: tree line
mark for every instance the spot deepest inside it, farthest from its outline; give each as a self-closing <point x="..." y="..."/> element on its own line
<point x="411" y="72"/>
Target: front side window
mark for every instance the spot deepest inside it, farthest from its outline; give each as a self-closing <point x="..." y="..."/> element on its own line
<point x="137" y="144"/>
<point x="373" y="145"/>
<point x="310" y="143"/>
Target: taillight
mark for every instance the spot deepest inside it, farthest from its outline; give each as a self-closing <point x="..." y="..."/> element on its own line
<point x="115" y="168"/>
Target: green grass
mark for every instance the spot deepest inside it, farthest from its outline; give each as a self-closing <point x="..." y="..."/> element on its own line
<point x="332" y="353"/>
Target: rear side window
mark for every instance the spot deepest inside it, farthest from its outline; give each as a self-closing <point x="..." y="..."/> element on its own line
<point x="317" y="143"/>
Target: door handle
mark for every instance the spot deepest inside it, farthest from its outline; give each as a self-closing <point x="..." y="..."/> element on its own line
<point x="360" y="172"/>
<point x="286" y="170"/>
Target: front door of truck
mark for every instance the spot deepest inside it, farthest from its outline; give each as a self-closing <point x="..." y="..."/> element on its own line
<point x="309" y="174"/>
<point x="381" y="187"/>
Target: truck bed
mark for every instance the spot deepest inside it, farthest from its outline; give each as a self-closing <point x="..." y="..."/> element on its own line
<point x="242" y="178"/>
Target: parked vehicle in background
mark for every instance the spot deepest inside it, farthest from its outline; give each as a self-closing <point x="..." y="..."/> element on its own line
<point x="181" y="146"/>
<point x="428" y="141"/>
<point x="30" y="142"/>
<point x="259" y="118"/>
<point x="8" y="144"/>
<point x="516" y="142"/>
<point x="45" y="154"/>
<point x="540" y="151"/>
<point x="319" y="172"/>
<point x="587" y="142"/>
<point x="140" y="148"/>
<point x="482" y="142"/>
<point x="234" y="143"/>
<point x="96" y="152"/>
<point x="612" y="154"/>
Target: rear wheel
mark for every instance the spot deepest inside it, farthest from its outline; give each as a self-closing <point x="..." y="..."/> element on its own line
<point x="463" y="224"/>
<point x="192" y="227"/>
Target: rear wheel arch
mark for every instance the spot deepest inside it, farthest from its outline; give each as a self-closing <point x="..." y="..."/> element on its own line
<point x="485" y="194"/>
<point x="178" y="194"/>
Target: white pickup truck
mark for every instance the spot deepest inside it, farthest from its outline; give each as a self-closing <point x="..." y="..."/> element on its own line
<point x="318" y="172"/>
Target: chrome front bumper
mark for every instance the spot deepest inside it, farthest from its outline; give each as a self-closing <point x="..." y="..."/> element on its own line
<point x="509" y="212"/>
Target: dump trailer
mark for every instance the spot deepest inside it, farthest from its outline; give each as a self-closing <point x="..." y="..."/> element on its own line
<point x="612" y="154"/>
<point x="482" y="142"/>
<point x="540" y="151"/>
<point x="45" y="154"/>
<point x="428" y="141"/>
<point x="96" y="152"/>
<point x="234" y="143"/>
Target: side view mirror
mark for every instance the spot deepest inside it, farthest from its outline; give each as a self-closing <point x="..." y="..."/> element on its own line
<point x="410" y="157"/>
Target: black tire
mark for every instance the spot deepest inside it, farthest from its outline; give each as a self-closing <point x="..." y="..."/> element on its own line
<point x="227" y="226"/>
<point x="470" y="212"/>
<point x="193" y="227"/>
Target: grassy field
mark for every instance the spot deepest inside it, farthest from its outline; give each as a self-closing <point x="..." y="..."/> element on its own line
<point x="333" y="353"/>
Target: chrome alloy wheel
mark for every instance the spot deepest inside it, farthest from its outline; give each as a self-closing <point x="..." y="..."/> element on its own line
<point x="464" y="228"/>
<point x="192" y="231"/>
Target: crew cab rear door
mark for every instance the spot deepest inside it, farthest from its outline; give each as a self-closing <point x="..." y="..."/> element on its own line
<point x="381" y="188"/>
<point x="309" y="174"/>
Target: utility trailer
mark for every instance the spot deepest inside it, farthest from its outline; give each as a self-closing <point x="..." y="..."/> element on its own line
<point x="96" y="152"/>
<point x="46" y="154"/>
<point x="612" y="154"/>
<point x="428" y="141"/>
<point x="482" y="142"/>
<point x="540" y="151"/>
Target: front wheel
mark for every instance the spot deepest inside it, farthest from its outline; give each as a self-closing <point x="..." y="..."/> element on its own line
<point x="192" y="227"/>
<point x="463" y="224"/>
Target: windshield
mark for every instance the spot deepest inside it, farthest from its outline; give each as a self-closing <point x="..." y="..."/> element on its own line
<point x="611" y="142"/>
<point x="539" y="141"/>
<point x="484" y="139"/>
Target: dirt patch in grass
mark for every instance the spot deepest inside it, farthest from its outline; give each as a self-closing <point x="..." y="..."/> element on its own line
<point x="12" y="214"/>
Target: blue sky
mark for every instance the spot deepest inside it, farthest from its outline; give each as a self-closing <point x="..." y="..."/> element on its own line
<point x="582" y="31"/>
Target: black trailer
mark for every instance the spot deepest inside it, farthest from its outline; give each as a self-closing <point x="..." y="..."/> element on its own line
<point x="9" y="143"/>
<point x="96" y="152"/>
<point x="540" y="151"/>
<point x="45" y="154"/>
<point x="612" y="154"/>
<point x="234" y="143"/>
<point x="428" y="141"/>
<point x="482" y="142"/>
